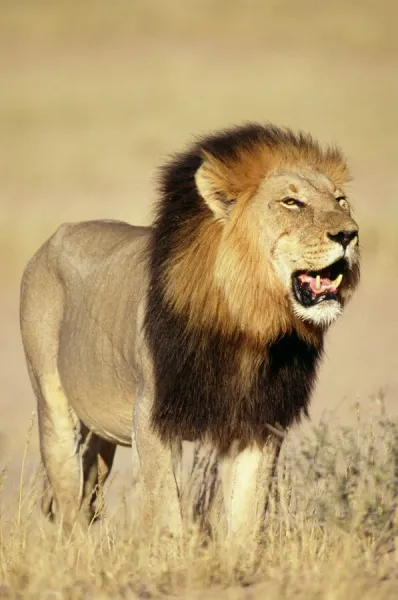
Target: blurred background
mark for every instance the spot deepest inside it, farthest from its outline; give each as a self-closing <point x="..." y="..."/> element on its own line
<point x="95" y="95"/>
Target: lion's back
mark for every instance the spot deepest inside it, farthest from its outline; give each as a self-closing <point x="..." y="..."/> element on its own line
<point x="82" y="247"/>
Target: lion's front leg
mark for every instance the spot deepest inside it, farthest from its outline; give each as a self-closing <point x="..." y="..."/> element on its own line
<point x="159" y="504"/>
<point x="246" y="481"/>
<point x="199" y="489"/>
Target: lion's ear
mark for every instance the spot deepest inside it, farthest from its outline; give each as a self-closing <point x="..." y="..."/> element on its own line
<point x="212" y="182"/>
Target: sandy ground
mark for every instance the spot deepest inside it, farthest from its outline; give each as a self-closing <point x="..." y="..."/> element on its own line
<point x="87" y="117"/>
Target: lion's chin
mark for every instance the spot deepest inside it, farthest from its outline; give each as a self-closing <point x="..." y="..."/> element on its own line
<point x="322" y="314"/>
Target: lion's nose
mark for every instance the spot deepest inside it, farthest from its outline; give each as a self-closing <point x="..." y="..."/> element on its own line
<point x="343" y="237"/>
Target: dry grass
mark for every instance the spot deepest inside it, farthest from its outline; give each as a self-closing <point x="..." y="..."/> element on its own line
<point x="330" y="534"/>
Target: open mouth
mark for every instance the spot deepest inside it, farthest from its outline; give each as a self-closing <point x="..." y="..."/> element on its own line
<point x="313" y="287"/>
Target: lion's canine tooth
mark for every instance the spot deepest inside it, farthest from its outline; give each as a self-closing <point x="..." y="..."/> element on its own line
<point x="337" y="281"/>
<point x="318" y="283"/>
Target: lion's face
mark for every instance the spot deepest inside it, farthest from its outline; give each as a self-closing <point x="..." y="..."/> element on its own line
<point x="311" y="240"/>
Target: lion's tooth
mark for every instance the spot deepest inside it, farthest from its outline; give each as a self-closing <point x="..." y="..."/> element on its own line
<point x="337" y="281"/>
<point x="318" y="283"/>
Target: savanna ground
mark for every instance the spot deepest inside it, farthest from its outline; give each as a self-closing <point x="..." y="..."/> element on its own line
<point x="93" y="96"/>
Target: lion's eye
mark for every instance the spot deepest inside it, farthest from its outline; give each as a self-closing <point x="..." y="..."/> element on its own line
<point x="292" y="203"/>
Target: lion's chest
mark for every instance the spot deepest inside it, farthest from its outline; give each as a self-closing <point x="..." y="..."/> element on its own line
<point x="204" y="395"/>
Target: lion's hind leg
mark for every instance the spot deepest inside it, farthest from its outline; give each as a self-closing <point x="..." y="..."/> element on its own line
<point x="97" y="456"/>
<point x="60" y="450"/>
<point x="88" y="466"/>
<point x="76" y="461"/>
<point x="47" y="499"/>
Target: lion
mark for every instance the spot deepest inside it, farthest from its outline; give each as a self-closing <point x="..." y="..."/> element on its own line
<point x="206" y="328"/>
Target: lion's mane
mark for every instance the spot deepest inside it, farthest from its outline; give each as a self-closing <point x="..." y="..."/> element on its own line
<point x="225" y="375"/>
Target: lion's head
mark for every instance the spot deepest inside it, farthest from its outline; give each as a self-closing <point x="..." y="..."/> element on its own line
<point x="261" y="240"/>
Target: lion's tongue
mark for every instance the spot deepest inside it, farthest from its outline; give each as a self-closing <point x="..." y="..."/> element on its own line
<point x="318" y="285"/>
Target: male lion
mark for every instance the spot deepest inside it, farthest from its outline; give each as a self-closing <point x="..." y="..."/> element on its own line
<point x="207" y="327"/>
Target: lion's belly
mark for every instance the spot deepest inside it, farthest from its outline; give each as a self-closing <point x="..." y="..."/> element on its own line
<point x="109" y="416"/>
<point x="101" y="399"/>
